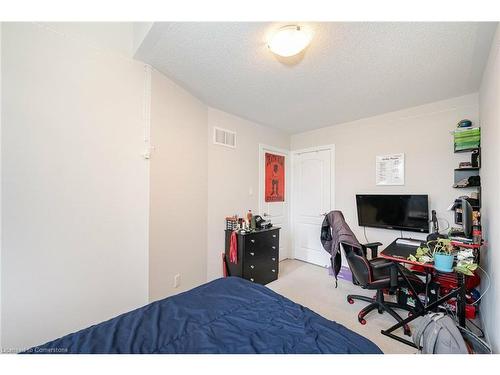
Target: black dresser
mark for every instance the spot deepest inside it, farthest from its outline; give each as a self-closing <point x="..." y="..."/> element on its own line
<point x="258" y="255"/>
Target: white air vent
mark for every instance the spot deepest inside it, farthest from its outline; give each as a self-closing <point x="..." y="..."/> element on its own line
<point x="224" y="137"/>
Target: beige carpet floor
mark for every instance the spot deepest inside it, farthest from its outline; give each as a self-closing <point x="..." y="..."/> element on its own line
<point x="311" y="286"/>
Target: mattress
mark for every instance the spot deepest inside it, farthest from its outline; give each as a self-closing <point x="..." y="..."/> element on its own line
<point x="228" y="315"/>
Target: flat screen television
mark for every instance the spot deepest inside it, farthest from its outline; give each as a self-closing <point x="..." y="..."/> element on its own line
<point x="400" y="212"/>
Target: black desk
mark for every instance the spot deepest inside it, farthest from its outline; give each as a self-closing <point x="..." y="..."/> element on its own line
<point x="398" y="253"/>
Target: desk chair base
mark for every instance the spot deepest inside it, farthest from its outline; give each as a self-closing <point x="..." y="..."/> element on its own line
<point x="382" y="306"/>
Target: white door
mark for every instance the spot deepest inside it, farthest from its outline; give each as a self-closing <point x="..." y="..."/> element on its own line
<point x="277" y="212"/>
<point x="312" y="199"/>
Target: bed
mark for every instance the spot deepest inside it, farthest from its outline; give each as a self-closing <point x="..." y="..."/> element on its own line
<point x="228" y="315"/>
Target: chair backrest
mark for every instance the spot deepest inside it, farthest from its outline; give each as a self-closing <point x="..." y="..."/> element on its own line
<point x="359" y="265"/>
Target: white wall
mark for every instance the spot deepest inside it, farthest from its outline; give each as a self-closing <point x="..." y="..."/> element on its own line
<point x="489" y="109"/>
<point x="115" y="37"/>
<point x="83" y="203"/>
<point x="178" y="218"/>
<point x="232" y="173"/>
<point x="74" y="185"/>
<point x="422" y="133"/>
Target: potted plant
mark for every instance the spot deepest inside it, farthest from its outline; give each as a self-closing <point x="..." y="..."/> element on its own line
<point x="443" y="255"/>
<point x="440" y="251"/>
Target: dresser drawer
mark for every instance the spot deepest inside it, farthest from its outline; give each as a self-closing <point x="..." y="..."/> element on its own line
<point x="261" y="270"/>
<point x="267" y="258"/>
<point x="261" y="252"/>
<point x="262" y="244"/>
<point x="262" y="279"/>
<point x="261" y="275"/>
<point x="260" y="263"/>
<point x="266" y="239"/>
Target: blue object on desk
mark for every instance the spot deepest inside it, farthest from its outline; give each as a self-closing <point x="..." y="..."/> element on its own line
<point x="443" y="262"/>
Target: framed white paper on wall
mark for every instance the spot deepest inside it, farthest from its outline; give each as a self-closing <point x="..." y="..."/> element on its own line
<point x="390" y="169"/>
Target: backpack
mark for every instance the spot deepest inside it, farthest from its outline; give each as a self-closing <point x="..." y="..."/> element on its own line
<point x="437" y="333"/>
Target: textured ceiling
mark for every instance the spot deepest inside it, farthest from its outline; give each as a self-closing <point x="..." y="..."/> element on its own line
<point x="349" y="71"/>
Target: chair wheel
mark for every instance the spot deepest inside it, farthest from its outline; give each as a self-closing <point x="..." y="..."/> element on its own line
<point x="350" y="300"/>
<point x="362" y="321"/>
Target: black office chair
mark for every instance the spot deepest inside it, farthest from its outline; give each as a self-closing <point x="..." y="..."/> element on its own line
<point x="377" y="274"/>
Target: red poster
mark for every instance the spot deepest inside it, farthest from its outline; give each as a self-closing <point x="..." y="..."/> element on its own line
<point x="275" y="178"/>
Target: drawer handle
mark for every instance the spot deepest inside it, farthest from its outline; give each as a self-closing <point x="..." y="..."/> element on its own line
<point x="252" y="266"/>
<point x="274" y="270"/>
<point x="273" y="259"/>
<point x="274" y="236"/>
<point x="274" y="247"/>
<point x="252" y="254"/>
<point x="251" y="279"/>
<point x="252" y="241"/>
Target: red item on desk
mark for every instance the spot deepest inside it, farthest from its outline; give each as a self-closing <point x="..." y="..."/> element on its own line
<point x="233" y="248"/>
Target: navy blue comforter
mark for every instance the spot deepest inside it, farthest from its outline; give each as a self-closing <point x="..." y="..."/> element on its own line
<point x="228" y="315"/>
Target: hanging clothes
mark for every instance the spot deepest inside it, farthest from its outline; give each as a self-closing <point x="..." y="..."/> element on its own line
<point x="334" y="231"/>
<point x="233" y="248"/>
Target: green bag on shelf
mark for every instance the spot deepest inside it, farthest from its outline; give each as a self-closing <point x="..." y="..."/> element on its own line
<point x="467" y="138"/>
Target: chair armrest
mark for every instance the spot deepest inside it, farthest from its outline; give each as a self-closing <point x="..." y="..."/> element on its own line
<point x="373" y="246"/>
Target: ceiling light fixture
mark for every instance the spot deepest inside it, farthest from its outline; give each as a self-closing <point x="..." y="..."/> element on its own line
<point x="289" y="40"/>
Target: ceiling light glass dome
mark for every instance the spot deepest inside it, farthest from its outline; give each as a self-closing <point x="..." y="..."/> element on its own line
<point x="289" y="40"/>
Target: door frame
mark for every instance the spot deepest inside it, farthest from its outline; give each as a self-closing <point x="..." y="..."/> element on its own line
<point x="293" y="154"/>
<point x="288" y="201"/>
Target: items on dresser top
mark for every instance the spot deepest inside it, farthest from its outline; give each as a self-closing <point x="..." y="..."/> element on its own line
<point x="257" y="255"/>
<point x="261" y="223"/>
<point x="250" y="223"/>
<point x="232" y="222"/>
